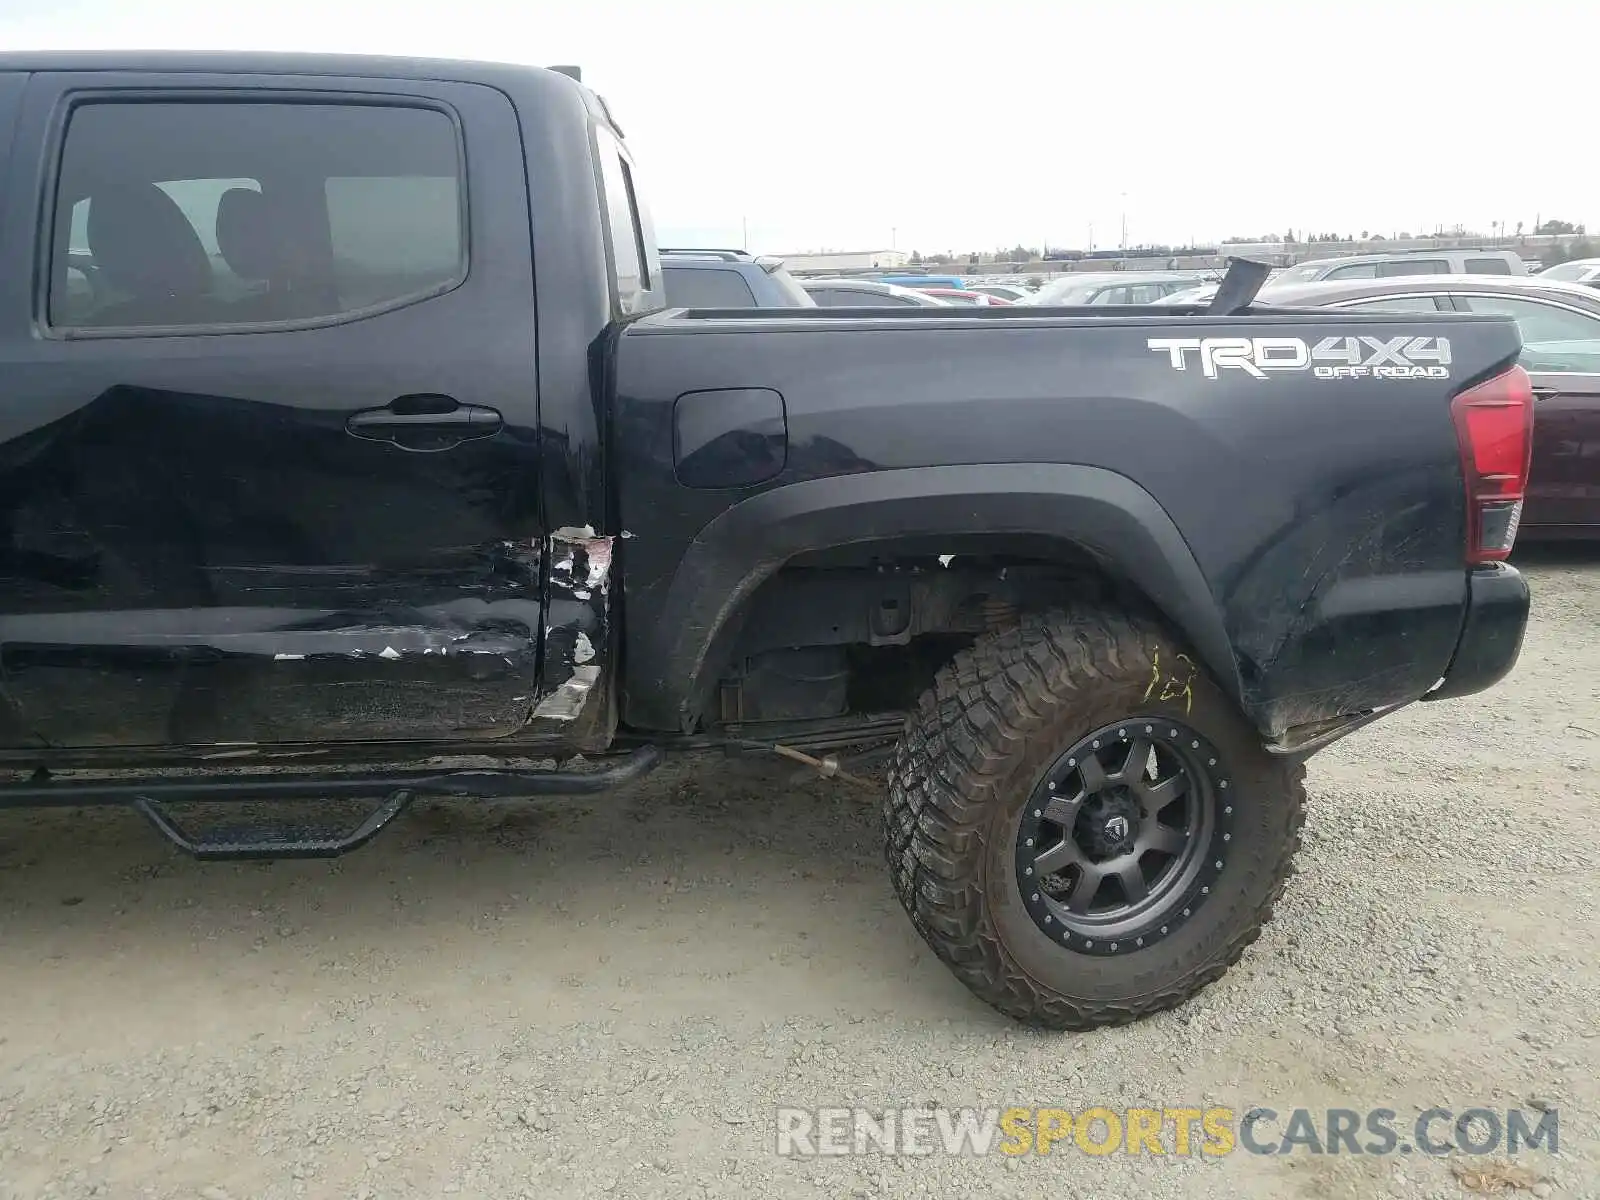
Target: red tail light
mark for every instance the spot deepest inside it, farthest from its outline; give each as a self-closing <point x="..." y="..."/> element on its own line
<point x="1494" y="424"/>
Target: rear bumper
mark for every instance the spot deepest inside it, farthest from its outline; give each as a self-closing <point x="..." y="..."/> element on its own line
<point x="1491" y="639"/>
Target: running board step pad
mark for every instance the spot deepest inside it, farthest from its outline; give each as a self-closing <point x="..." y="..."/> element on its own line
<point x="267" y="839"/>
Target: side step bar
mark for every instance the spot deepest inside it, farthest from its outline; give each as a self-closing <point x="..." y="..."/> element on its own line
<point x="259" y="840"/>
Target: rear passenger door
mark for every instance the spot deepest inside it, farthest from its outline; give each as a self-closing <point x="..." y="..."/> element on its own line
<point x="268" y="467"/>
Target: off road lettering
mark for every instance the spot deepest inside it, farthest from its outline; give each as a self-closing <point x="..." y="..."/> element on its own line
<point x="1338" y="357"/>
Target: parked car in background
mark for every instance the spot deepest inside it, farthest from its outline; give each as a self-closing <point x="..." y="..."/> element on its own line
<point x="729" y="279"/>
<point x="1013" y="292"/>
<point x="1194" y="295"/>
<point x="1560" y="325"/>
<point x="1407" y="262"/>
<point x="962" y="296"/>
<point x="866" y="293"/>
<point x="1580" y="270"/>
<point x="1114" y="287"/>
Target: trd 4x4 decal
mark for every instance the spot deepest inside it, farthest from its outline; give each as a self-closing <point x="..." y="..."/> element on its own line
<point x="1359" y="357"/>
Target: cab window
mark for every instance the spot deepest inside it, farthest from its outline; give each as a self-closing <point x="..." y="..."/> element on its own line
<point x="629" y="257"/>
<point x="199" y="213"/>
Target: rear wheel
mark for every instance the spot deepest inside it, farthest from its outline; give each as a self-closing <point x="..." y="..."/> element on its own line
<point x="1082" y="826"/>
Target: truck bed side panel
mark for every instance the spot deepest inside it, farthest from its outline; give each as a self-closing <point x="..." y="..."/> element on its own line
<point x="1325" y="514"/>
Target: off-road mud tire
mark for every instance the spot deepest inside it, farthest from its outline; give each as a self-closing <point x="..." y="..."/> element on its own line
<point x="998" y="715"/>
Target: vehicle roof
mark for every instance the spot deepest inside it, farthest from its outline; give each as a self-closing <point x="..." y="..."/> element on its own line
<point x="849" y="284"/>
<point x="271" y="62"/>
<point x="1390" y="255"/>
<point x="869" y="287"/>
<point x="964" y="293"/>
<point x="678" y="259"/>
<point x="1085" y="276"/>
<point x="507" y="75"/>
<point x="1129" y="276"/>
<point x="1322" y="291"/>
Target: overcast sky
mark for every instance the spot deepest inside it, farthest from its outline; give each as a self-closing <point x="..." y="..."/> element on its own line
<point x="959" y="125"/>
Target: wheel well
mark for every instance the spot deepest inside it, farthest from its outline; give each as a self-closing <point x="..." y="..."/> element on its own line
<point x="859" y="631"/>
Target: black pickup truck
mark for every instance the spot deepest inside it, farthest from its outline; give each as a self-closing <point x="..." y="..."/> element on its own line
<point x="350" y="453"/>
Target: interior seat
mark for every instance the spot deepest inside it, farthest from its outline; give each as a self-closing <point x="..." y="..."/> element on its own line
<point x="147" y="250"/>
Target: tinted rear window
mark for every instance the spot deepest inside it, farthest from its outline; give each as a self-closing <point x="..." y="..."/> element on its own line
<point x="1364" y="270"/>
<point x="1296" y="274"/>
<point x="701" y="287"/>
<point x="1413" y="266"/>
<point x="1488" y="266"/>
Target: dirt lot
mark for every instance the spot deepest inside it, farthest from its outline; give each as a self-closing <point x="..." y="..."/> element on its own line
<point x="612" y="999"/>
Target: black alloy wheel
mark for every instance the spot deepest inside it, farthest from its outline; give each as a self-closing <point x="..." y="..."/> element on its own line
<point x="1123" y="836"/>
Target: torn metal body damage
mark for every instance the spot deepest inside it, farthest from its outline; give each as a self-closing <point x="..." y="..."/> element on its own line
<point x="575" y="703"/>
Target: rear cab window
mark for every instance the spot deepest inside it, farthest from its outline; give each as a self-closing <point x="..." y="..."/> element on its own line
<point x="634" y="267"/>
<point x="203" y="213"/>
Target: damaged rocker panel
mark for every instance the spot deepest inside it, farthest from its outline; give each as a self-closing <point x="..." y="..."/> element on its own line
<point x="438" y="656"/>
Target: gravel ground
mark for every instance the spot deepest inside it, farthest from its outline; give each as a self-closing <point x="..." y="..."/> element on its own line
<point x="511" y="1001"/>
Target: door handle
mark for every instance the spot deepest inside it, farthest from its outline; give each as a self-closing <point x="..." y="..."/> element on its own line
<point x="424" y="423"/>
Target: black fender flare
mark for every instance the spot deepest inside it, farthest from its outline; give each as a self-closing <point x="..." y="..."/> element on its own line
<point x="671" y="636"/>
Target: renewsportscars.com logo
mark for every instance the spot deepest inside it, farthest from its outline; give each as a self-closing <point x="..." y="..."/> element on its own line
<point x="1361" y="357"/>
<point x="1187" y="1131"/>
